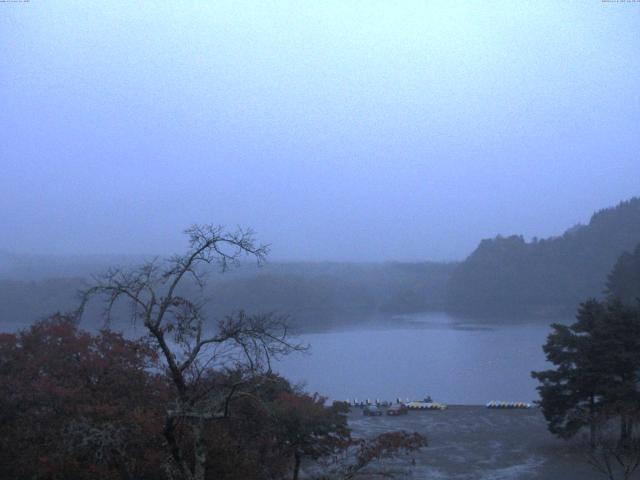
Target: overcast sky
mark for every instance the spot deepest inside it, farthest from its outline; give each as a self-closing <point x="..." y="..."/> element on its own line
<point x="338" y="130"/>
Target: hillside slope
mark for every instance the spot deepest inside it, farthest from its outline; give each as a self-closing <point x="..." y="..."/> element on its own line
<point x="507" y="275"/>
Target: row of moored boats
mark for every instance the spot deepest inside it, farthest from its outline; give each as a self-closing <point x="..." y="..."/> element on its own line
<point x="428" y="404"/>
<point x="508" y="405"/>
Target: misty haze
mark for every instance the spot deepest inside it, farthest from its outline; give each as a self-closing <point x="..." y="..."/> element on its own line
<point x="320" y="240"/>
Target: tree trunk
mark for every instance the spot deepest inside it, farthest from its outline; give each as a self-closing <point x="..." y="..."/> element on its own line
<point x="626" y="429"/>
<point x="169" y="435"/>
<point x="296" y="467"/>
<point x="200" y="449"/>
<point x="592" y="423"/>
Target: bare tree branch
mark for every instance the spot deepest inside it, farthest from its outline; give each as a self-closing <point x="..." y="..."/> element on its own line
<point x="178" y="325"/>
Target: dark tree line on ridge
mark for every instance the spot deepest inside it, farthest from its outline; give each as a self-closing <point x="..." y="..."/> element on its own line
<point x="504" y="278"/>
<point x="544" y="277"/>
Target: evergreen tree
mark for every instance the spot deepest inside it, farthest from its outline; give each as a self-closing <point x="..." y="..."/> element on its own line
<point x="623" y="283"/>
<point x="571" y="393"/>
<point x="597" y="370"/>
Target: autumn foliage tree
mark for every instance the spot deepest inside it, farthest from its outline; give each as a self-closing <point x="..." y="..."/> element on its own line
<point x="77" y="405"/>
<point x="358" y="459"/>
<point x="308" y="428"/>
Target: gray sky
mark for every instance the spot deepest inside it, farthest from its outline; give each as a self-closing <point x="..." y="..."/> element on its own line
<point x="341" y="130"/>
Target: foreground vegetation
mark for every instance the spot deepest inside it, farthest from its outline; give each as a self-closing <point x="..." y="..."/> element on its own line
<point x="83" y="406"/>
<point x="189" y="400"/>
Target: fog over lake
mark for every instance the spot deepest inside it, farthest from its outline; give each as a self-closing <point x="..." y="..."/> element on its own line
<point x="431" y="354"/>
<point x="427" y="194"/>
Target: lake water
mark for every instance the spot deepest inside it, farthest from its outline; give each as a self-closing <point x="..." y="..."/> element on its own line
<point x="417" y="355"/>
<point x="425" y="354"/>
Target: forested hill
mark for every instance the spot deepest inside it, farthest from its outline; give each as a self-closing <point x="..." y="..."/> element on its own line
<point x="507" y="275"/>
<point x="317" y="296"/>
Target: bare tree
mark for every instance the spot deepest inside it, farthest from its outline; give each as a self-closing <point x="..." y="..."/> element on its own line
<point x="357" y="456"/>
<point x="189" y="345"/>
<point x="614" y="457"/>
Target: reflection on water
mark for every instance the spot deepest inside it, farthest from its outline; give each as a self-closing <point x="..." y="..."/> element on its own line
<point x="428" y="354"/>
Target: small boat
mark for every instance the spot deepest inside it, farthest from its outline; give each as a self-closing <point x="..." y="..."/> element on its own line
<point x="426" y="404"/>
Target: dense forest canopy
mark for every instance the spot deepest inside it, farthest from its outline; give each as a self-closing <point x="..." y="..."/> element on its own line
<point x="315" y="295"/>
<point x="508" y="275"/>
<point x="623" y="283"/>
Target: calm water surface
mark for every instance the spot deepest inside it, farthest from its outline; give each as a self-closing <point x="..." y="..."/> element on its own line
<point x="426" y="354"/>
<point x="413" y="356"/>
